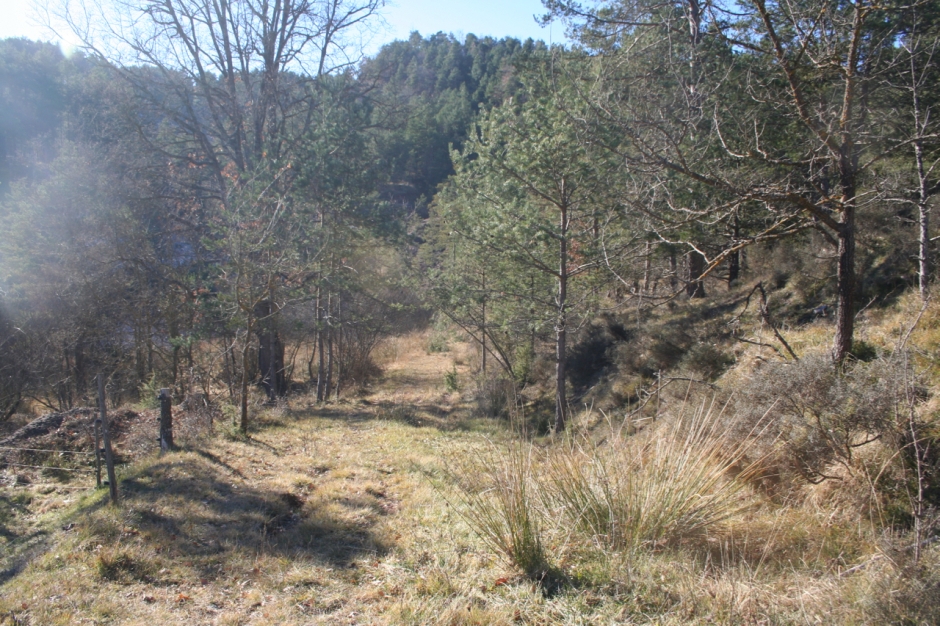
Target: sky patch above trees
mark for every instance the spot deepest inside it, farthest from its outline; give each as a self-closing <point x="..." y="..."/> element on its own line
<point x="484" y="18"/>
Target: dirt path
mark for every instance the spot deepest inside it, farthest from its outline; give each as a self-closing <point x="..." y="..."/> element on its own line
<point x="411" y="371"/>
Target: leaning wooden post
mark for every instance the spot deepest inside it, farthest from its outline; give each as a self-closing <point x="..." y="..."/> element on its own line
<point x="108" y="454"/>
<point x="166" y="420"/>
<point x="98" y="452"/>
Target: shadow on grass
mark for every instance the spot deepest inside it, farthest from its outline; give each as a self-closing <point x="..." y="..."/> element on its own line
<point x="217" y="461"/>
<point x="416" y="415"/>
<point x="190" y="508"/>
<point x="19" y="555"/>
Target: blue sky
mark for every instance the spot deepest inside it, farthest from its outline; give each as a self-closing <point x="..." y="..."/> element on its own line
<point x="496" y="18"/>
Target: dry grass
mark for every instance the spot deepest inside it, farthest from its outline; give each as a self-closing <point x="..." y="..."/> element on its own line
<point x="498" y="496"/>
<point x="671" y="481"/>
<point x="338" y="514"/>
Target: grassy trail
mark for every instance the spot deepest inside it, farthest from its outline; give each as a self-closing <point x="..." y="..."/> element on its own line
<point x="323" y="515"/>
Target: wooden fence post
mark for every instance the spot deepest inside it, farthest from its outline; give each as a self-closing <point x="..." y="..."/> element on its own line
<point x="166" y="420"/>
<point x="98" y="452"/>
<point x="108" y="454"/>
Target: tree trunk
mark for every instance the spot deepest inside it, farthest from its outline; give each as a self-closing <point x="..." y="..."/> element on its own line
<point x="270" y="352"/>
<point x="696" y="288"/>
<point x="923" y="220"/>
<point x="328" y="373"/>
<point x="231" y="361"/>
<point x="845" y="275"/>
<point x="673" y="270"/>
<point x="174" y="332"/>
<point x="64" y="389"/>
<point x="310" y="361"/>
<point x="140" y="361"/>
<point x="561" y="328"/>
<point x="81" y="389"/>
<point x="243" y="424"/>
<point x="483" y="326"/>
<point x="337" y="377"/>
<point x="734" y="268"/>
<point x="321" y="363"/>
<point x="734" y="260"/>
<point x="845" y="315"/>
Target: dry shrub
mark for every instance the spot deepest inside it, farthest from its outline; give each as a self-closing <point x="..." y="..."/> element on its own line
<point x="906" y="592"/>
<point x="353" y="352"/>
<point x="707" y="360"/>
<point x="817" y="415"/>
<point x="495" y="395"/>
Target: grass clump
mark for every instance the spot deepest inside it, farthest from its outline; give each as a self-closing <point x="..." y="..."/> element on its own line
<point x="122" y="567"/>
<point x="665" y="484"/>
<point x="499" y="499"/>
<point x="670" y="482"/>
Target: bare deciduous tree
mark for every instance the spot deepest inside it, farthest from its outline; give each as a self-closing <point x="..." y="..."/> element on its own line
<point x="228" y="91"/>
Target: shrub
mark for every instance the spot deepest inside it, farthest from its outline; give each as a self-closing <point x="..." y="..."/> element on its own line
<point x="707" y="360"/>
<point x="818" y="415"/>
<point x="907" y="593"/>
<point x="665" y="351"/>
<point x="450" y="379"/>
<point x="440" y="337"/>
<point x="438" y="344"/>
<point x="147" y="393"/>
<point x="589" y="356"/>
<point x="495" y="395"/>
<point x="864" y="351"/>
<point x="524" y="364"/>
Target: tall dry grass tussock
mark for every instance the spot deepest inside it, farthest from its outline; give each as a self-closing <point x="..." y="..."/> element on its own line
<point x="668" y="482"/>
<point x="498" y="494"/>
<point x="671" y="481"/>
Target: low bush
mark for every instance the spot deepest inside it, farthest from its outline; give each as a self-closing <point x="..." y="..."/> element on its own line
<point x="589" y="356"/>
<point x="450" y="379"/>
<point x="821" y="415"/>
<point x="495" y="395"/>
<point x="707" y="360"/>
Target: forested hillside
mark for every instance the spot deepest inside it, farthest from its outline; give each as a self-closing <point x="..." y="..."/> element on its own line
<point x="132" y="241"/>
<point x="694" y="205"/>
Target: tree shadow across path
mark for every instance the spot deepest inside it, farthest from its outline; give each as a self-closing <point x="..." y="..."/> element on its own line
<point x="190" y="508"/>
